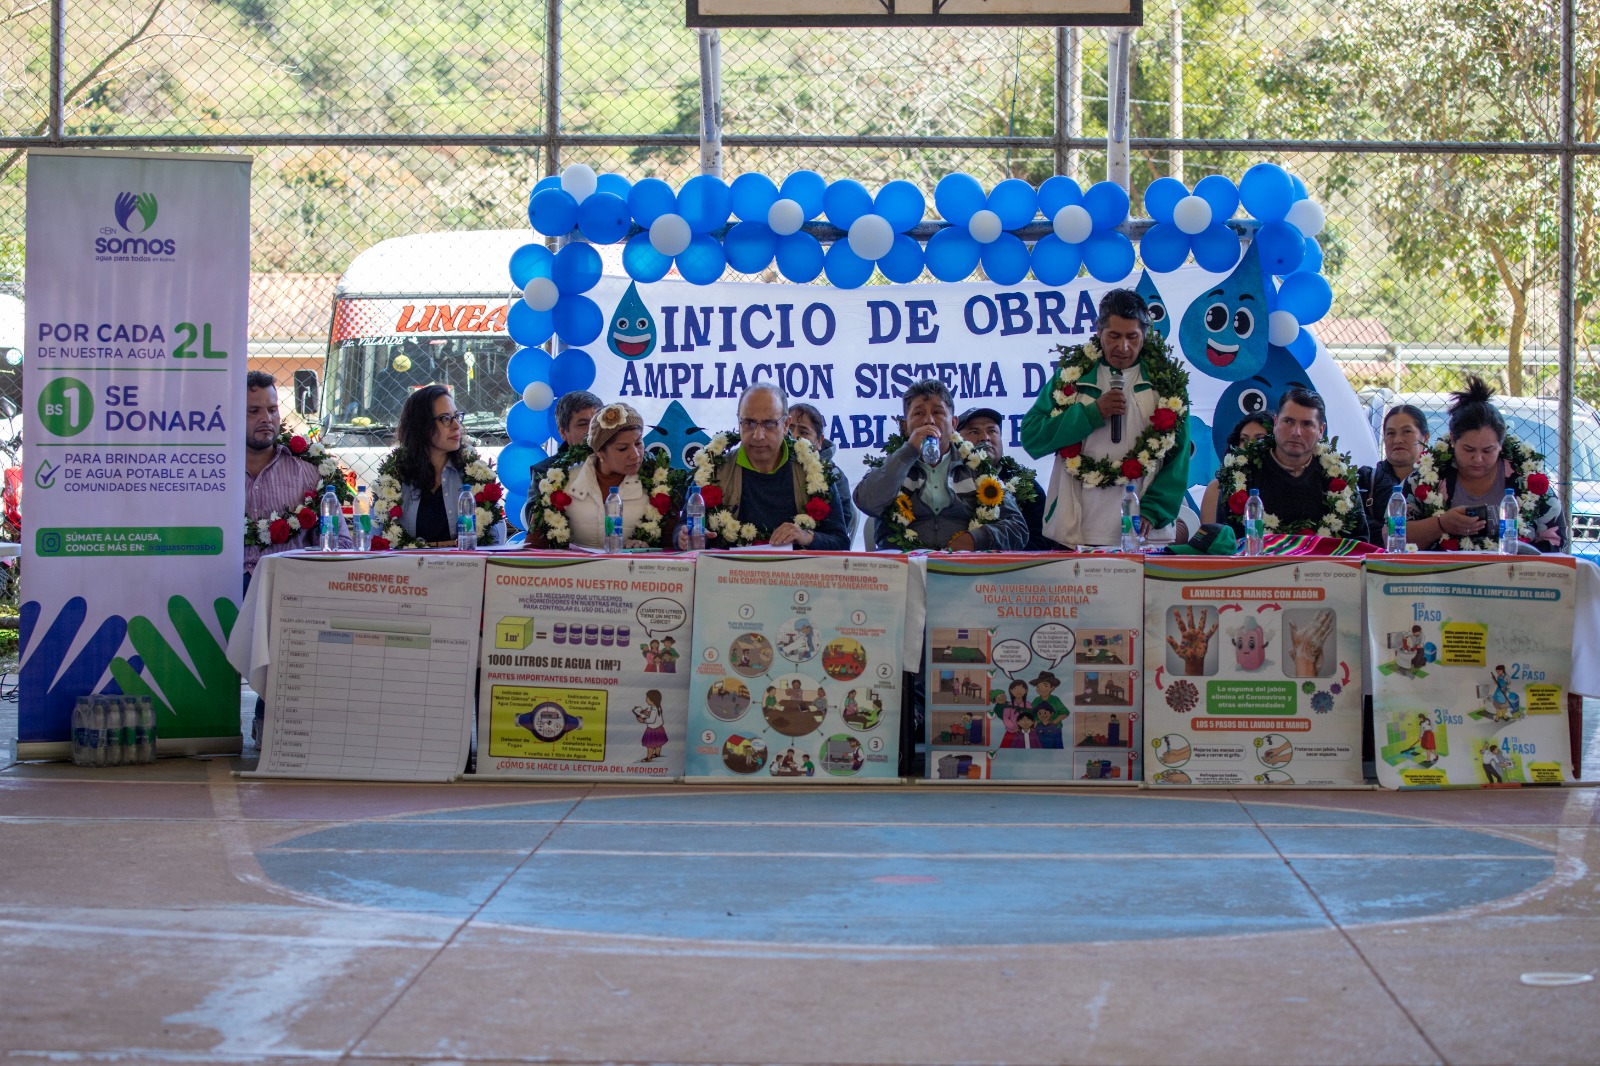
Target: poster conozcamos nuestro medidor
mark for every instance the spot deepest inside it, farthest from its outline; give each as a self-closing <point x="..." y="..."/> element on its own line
<point x="1034" y="667"/>
<point x="1252" y="671"/>
<point x="797" y="664"/>
<point x="1471" y="658"/>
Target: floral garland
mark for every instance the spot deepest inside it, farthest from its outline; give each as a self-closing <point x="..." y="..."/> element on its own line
<point x="280" y="527"/>
<point x="486" y="490"/>
<point x="547" y="509"/>
<point x="1438" y="463"/>
<point x="1242" y="468"/>
<point x="817" y="470"/>
<point x="1152" y="446"/>
<point x="991" y="493"/>
<point x="1019" y="480"/>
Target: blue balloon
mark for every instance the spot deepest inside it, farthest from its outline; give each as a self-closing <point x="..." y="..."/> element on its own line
<point x="805" y="187"/>
<point x="1109" y="256"/>
<point x="515" y="466"/>
<point x="649" y="199"/>
<point x="904" y="262"/>
<point x="750" y="246"/>
<point x="753" y="196"/>
<point x="528" y="327"/>
<point x="1006" y="259"/>
<point x="642" y="261"/>
<point x="901" y="203"/>
<point x="1216" y="248"/>
<point x="952" y="254"/>
<point x="703" y="261"/>
<point x="514" y="502"/>
<point x="1164" y="247"/>
<point x="549" y="181"/>
<point x="526" y="366"/>
<point x="553" y="212"/>
<point x="529" y="262"/>
<point x="604" y="218"/>
<point x="614" y="184"/>
<point x="1160" y="197"/>
<point x="1304" y="348"/>
<point x="799" y="257"/>
<point x="845" y="201"/>
<point x="1015" y="201"/>
<point x="1055" y="262"/>
<point x="1221" y="194"/>
<point x="1306" y="296"/>
<point x="1281" y="247"/>
<point x="845" y="269"/>
<point x="1107" y="204"/>
<point x="577" y="269"/>
<point x="1058" y="192"/>
<point x="1299" y="187"/>
<point x="1266" y="191"/>
<point x="572" y="370"/>
<point x="526" y="425"/>
<point x="578" y="321"/>
<point x="957" y="197"/>
<point x="704" y="202"/>
<point x="1312" y="263"/>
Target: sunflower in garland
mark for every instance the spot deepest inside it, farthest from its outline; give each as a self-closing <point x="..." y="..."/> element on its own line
<point x="991" y="491"/>
<point x="902" y="503"/>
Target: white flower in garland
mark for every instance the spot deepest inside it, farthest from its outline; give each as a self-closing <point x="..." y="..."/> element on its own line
<point x="816" y="476"/>
<point x="1243" y="468"/>
<point x="386" y="509"/>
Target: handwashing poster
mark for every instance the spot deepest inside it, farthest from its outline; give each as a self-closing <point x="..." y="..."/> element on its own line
<point x="1033" y="667"/>
<point x="1252" y="671"/>
<point x="1471" y="657"/>
<point x="797" y="666"/>
<point x="584" y="668"/>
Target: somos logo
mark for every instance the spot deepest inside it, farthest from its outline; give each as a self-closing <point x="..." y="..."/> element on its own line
<point x="135" y="213"/>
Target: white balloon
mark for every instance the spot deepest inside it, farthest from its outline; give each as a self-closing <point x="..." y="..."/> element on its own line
<point x="670" y="234"/>
<point x="1282" y="328"/>
<point x="1306" y="216"/>
<point x="1191" y="214"/>
<point x="786" y="217"/>
<point x="578" y="179"/>
<point x="984" y="227"/>
<point x="871" y="237"/>
<point x="540" y="294"/>
<point x="538" y="395"/>
<point x="1073" y="224"/>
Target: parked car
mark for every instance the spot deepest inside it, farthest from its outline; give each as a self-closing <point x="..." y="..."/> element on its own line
<point x="1536" y="420"/>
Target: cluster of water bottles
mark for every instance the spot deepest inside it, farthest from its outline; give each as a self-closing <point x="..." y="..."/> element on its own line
<point x="113" y="731"/>
<point x="363" y="524"/>
<point x="1394" y="523"/>
<point x="694" y="521"/>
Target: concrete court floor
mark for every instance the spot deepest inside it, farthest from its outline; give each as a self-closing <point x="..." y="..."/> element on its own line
<point x="178" y="914"/>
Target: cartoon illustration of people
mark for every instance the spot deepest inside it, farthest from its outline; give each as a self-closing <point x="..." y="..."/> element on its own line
<point x="800" y="645"/>
<point x="655" y="734"/>
<point x="808" y="767"/>
<point x="820" y="704"/>
<point x="851" y="707"/>
<point x="1249" y="645"/>
<point x="652" y="656"/>
<point x="668" y="656"/>
<point x="1506" y="703"/>
<point x="857" y="759"/>
<point x="1015" y="704"/>
<point x="1048" y="710"/>
<point x="795" y="693"/>
<point x="974" y="725"/>
<point x="770" y="704"/>
<point x="1410" y="655"/>
<point x="1024" y="736"/>
<point x="1489" y="756"/>
<point x="1427" y="741"/>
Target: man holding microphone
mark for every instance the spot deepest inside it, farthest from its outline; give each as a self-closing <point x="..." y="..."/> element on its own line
<point x="1116" y="414"/>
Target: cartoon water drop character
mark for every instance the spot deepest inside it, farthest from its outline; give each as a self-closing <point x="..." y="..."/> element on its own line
<point x="1249" y="645"/>
<point x="1224" y="330"/>
<point x="677" y="433"/>
<point x="1260" y="391"/>
<point x="632" y="332"/>
<point x="1160" y="317"/>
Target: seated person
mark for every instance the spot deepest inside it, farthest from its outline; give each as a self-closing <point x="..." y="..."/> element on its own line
<point x="1250" y="427"/>
<point x="955" y="502"/>
<point x="569" y="505"/>
<point x="981" y="426"/>
<point x="574" y="411"/>
<point x="423" y="476"/>
<point x="1405" y="438"/>
<point x="806" y="423"/>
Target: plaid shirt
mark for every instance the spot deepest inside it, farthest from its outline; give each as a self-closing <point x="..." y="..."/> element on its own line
<point x="280" y="486"/>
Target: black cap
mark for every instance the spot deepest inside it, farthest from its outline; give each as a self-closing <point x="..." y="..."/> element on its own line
<point x="979" y="412"/>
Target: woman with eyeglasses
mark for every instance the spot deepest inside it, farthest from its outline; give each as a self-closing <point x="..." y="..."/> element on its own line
<point x="430" y="463"/>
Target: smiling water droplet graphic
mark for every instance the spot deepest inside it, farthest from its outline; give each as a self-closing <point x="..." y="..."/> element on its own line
<point x="631" y="332"/>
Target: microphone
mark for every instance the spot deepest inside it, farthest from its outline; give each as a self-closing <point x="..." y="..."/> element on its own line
<point x="1116" y="420"/>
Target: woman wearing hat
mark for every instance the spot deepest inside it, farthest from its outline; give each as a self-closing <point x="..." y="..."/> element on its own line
<point x="568" y="507"/>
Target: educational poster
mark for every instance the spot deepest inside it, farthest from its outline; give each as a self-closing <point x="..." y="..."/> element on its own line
<point x="1471" y="658"/>
<point x="798" y="658"/>
<point x="1033" y="666"/>
<point x="585" y="666"/>
<point x="1252" y="671"/>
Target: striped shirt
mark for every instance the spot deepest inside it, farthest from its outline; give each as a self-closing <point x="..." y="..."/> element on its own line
<point x="281" y="486"/>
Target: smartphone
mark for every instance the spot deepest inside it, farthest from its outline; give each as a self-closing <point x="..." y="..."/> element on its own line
<point x="1481" y="512"/>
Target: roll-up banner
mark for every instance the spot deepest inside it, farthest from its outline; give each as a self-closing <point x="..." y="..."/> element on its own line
<point x="138" y="275"/>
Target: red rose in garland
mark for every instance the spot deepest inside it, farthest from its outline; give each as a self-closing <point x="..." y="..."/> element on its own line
<point x="298" y="444"/>
<point x="1132" y="469"/>
<point x="1538" y="484"/>
<point x="380" y="544"/>
<point x="493" y="491"/>
<point x="560" y="500"/>
<point x="1337" y="484"/>
<point x="1421" y="492"/>
<point x="712" y="495"/>
<point x="1164" y="418"/>
<point x="818" y="509"/>
<point x="279" y="531"/>
<point x="307" y="518"/>
<point x="1071" y="451"/>
<point x="1237" y="501"/>
<point x="661" y="502"/>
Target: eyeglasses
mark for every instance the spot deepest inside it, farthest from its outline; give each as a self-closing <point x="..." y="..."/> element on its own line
<point x="449" y="418"/>
<point x="765" y="425"/>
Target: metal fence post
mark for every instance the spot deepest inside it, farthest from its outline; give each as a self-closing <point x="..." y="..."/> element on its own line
<point x="710" y="102"/>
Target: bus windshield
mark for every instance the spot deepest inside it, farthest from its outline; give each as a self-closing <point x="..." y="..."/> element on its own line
<point x="371" y="378"/>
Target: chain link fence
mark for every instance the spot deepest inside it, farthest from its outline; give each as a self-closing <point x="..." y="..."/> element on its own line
<point x="1457" y="167"/>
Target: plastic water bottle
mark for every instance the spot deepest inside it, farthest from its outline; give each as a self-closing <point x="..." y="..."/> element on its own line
<point x="930" y="450"/>
<point x="1255" y="523"/>
<point x="466" y="519"/>
<point x="1394" y="523"/>
<point x="147" y="722"/>
<point x="96" y="755"/>
<point x="80" y="732"/>
<point x="144" y="729"/>
<point x="363" y="516"/>
<point x="1130" y="519"/>
<point x="614" y="520"/>
<point x="328" y="526"/>
<point x="1508" y="522"/>
<point x="694" y="519"/>
<point x="111" y="742"/>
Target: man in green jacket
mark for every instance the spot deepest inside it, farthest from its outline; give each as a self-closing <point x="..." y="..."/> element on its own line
<point x="1115" y="413"/>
